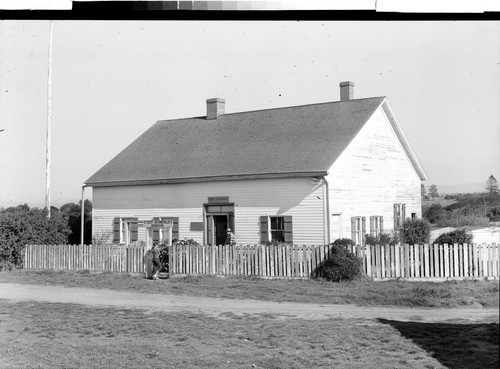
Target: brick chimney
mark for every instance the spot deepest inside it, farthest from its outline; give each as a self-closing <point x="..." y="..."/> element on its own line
<point x="346" y="91"/>
<point x="215" y="107"/>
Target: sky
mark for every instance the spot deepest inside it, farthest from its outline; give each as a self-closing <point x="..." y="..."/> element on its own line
<point x="112" y="80"/>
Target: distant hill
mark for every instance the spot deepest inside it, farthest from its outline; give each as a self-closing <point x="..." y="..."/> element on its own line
<point x="461" y="188"/>
<point x="439" y="200"/>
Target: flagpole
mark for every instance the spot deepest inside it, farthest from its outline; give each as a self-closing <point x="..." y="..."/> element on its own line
<point x="49" y="113"/>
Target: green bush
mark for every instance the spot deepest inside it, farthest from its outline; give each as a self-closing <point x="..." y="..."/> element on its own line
<point x="381" y="239"/>
<point x="341" y="264"/>
<point x="163" y="249"/>
<point x="163" y="255"/>
<point x="21" y="226"/>
<point x="415" y="231"/>
<point x="459" y="236"/>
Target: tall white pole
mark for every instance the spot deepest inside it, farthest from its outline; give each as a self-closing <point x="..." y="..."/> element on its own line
<point x="82" y="212"/>
<point x="49" y="112"/>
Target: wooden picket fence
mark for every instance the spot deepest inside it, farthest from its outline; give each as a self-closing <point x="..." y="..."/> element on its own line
<point x="412" y="262"/>
<point x="98" y="258"/>
<point x="430" y="262"/>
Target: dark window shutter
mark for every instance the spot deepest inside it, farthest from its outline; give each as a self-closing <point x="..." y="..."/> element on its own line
<point x="175" y="228"/>
<point x="381" y="224"/>
<point x="288" y="229"/>
<point x="134" y="230"/>
<point x="363" y="230"/>
<point x="156" y="235"/>
<point x="353" y="229"/>
<point x="264" y="229"/>
<point x="116" y="230"/>
<point x="372" y="225"/>
<point x="210" y="234"/>
<point x="403" y="213"/>
<point x="156" y="232"/>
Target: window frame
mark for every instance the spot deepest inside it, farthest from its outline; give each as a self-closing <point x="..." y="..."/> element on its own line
<point x="376" y="225"/>
<point x="266" y="232"/>
<point x="399" y="215"/>
<point x="280" y="228"/>
<point x="358" y="230"/>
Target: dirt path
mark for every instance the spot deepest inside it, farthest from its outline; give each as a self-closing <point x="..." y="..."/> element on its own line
<point x="216" y="306"/>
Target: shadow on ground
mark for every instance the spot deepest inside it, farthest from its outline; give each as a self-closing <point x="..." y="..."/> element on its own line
<point x="454" y="345"/>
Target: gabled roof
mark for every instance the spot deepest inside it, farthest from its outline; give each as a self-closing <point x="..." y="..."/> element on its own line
<point x="283" y="142"/>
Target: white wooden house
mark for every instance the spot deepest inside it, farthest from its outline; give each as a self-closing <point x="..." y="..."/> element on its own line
<point x="304" y="174"/>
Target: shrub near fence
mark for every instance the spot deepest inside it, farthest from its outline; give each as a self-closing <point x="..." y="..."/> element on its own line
<point x="98" y="258"/>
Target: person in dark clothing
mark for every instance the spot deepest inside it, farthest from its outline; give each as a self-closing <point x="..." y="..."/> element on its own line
<point x="156" y="261"/>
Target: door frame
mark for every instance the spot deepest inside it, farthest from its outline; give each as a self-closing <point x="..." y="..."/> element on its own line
<point x="208" y="228"/>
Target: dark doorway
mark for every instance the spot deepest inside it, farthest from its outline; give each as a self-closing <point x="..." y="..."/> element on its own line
<point x="220" y="227"/>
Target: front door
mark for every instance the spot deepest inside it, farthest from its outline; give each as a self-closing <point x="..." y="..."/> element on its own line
<point x="220" y="229"/>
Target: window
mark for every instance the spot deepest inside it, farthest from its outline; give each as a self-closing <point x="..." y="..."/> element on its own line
<point x="276" y="229"/>
<point x="165" y="233"/>
<point x="399" y="215"/>
<point x="125" y="230"/>
<point x="358" y="230"/>
<point x="376" y="225"/>
<point x="413" y="215"/>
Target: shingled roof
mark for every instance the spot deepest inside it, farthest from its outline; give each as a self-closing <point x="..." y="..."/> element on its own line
<point x="291" y="141"/>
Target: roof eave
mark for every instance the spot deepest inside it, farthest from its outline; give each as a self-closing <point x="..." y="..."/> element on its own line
<point x="142" y="182"/>
<point x="412" y="156"/>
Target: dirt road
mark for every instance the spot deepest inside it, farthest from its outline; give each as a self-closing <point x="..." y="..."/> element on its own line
<point x="216" y="306"/>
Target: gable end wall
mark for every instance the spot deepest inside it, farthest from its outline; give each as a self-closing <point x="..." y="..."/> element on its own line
<point x="370" y="176"/>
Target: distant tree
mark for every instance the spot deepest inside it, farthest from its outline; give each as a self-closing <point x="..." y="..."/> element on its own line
<point x="491" y="185"/>
<point x="23" y="226"/>
<point x="22" y="207"/>
<point x="494" y="214"/>
<point x="433" y="191"/>
<point x="73" y="213"/>
<point x="435" y="213"/>
<point x="423" y="191"/>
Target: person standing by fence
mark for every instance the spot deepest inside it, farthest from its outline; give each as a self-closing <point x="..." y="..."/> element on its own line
<point x="230" y="237"/>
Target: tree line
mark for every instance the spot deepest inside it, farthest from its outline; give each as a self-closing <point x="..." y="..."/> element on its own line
<point x="476" y="209"/>
<point x="22" y="225"/>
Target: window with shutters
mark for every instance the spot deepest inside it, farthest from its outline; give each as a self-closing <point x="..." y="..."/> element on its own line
<point x="358" y="230"/>
<point x="125" y="230"/>
<point x="376" y="225"/>
<point x="168" y="234"/>
<point x="399" y="215"/>
<point x="276" y="229"/>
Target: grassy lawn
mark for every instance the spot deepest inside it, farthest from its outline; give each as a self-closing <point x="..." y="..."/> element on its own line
<point x="364" y="292"/>
<point x="45" y="335"/>
<point x="53" y="335"/>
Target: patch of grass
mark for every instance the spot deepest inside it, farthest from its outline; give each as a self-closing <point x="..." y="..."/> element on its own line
<point x="76" y="336"/>
<point x="454" y="345"/>
<point x="361" y="292"/>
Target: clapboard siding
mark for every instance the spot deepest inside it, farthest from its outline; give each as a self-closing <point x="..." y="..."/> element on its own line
<point x="297" y="197"/>
<point x="371" y="175"/>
